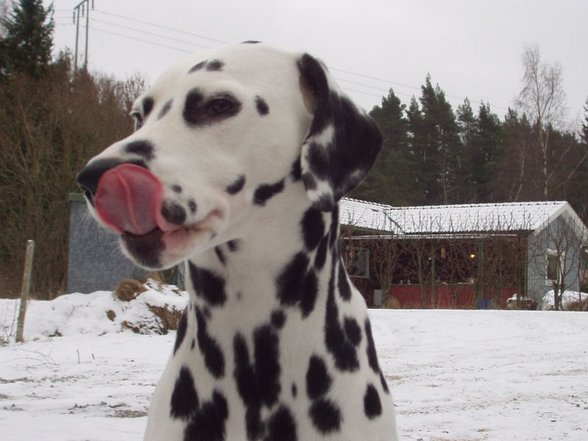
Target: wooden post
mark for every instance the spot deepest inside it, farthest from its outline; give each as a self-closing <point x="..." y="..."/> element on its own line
<point x="24" y="292"/>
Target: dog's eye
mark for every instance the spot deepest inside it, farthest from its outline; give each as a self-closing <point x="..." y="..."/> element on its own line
<point x="219" y="106"/>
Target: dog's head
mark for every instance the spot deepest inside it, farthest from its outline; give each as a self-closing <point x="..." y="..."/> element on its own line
<point x="217" y="136"/>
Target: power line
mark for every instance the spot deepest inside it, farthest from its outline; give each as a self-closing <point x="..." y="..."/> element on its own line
<point x="190" y="43"/>
<point x="374" y="78"/>
<point x="128" y="37"/>
<point x="149" y="33"/>
<point x="162" y="27"/>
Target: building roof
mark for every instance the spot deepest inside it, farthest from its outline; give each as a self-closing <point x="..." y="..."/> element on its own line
<point x="507" y="217"/>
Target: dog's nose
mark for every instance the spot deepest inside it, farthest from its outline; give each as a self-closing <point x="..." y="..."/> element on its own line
<point x="90" y="175"/>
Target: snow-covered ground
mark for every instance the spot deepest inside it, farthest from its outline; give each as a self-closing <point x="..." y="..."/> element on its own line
<point x="455" y="375"/>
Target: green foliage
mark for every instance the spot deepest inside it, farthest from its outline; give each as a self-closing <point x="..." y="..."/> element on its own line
<point x="390" y="180"/>
<point x="26" y="45"/>
<point x="482" y="147"/>
<point x="439" y="153"/>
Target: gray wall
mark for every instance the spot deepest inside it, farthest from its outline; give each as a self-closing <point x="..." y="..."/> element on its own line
<point x="95" y="260"/>
<point x="560" y="234"/>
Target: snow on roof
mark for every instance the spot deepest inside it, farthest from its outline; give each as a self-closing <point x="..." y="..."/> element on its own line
<point x="452" y="219"/>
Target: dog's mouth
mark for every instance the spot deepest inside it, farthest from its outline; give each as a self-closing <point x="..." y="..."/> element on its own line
<point x="129" y="200"/>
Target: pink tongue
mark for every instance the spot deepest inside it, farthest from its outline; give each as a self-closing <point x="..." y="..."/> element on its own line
<point x="128" y="199"/>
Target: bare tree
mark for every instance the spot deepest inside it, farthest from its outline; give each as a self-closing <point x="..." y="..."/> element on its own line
<point x="544" y="101"/>
<point x="557" y="255"/>
<point x="49" y="127"/>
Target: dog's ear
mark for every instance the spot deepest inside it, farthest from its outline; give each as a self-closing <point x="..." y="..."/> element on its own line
<point x="342" y="142"/>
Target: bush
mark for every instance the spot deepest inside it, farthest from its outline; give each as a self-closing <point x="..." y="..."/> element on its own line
<point x="49" y="128"/>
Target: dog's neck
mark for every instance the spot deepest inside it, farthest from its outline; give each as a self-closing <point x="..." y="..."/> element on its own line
<point x="289" y="266"/>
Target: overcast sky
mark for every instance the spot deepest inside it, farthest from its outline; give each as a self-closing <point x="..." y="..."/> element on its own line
<point x="471" y="48"/>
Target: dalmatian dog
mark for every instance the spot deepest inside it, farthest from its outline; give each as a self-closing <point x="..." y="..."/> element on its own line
<point x="240" y="157"/>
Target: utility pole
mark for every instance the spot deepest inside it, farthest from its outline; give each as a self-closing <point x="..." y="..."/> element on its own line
<point x="82" y="9"/>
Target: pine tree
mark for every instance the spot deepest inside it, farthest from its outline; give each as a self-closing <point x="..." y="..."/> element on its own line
<point x="468" y="124"/>
<point x="26" y="46"/>
<point x="440" y="155"/>
<point x="486" y="153"/>
<point x="481" y="138"/>
<point x="417" y="147"/>
<point x="389" y="180"/>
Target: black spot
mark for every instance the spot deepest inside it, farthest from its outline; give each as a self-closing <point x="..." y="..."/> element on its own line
<point x="290" y="280"/>
<point x="321" y="253"/>
<point x="181" y="334"/>
<point x="192" y="205"/>
<point x="251" y="42"/>
<point x="296" y="171"/>
<point x="316" y="81"/>
<point x="173" y="213"/>
<point x="344" y="288"/>
<point x="338" y="345"/>
<point x="192" y="107"/>
<point x="208" y="424"/>
<point x="372" y="405"/>
<point x="334" y="227"/>
<point x="384" y="384"/>
<point x="325" y="415"/>
<point x="197" y="67"/>
<point x="318" y="160"/>
<point x="281" y="426"/>
<point x="296" y="286"/>
<point x="214" y="65"/>
<point x="371" y="348"/>
<point x="220" y="255"/>
<point x="258" y="381"/>
<point x="236" y="186"/>
<point x="309" y="181"/>
<point x="184" y="399"/>
<point x="213" y="355"/>
<point x="193" y="345"/>
<point x="325" y="202"/>
<point x="144" y="149"/>
<point x="254" y="426"/>
<point x="313" y="228"/>
<point x="352" y="330"/>
<point x="166" y="108"/>
<point x="145" y="249"/>
<point x="278" y="319"/>
<point x="309" y="293"/>
<point x="266" y="191"/>
<point x="261" y="106"/>
<point x="318" y="381"/>
<point x="294" y="390"/>
<point x="267" y="365"/>
<point x="208" y="285"/>
<point x="147" y="106"/>
<point x="244" y="373"/>
<point x="233" y="245"/>
<point x="199" y="112"/>
<point x="176" y="188"/>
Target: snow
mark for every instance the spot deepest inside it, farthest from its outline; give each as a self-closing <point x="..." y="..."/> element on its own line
<point x="465" y="218"/>
<point x="567" y="298"/>
<point x="455" y="375"/>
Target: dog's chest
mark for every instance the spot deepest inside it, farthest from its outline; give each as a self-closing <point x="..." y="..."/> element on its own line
<point x="273" y="372"/>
